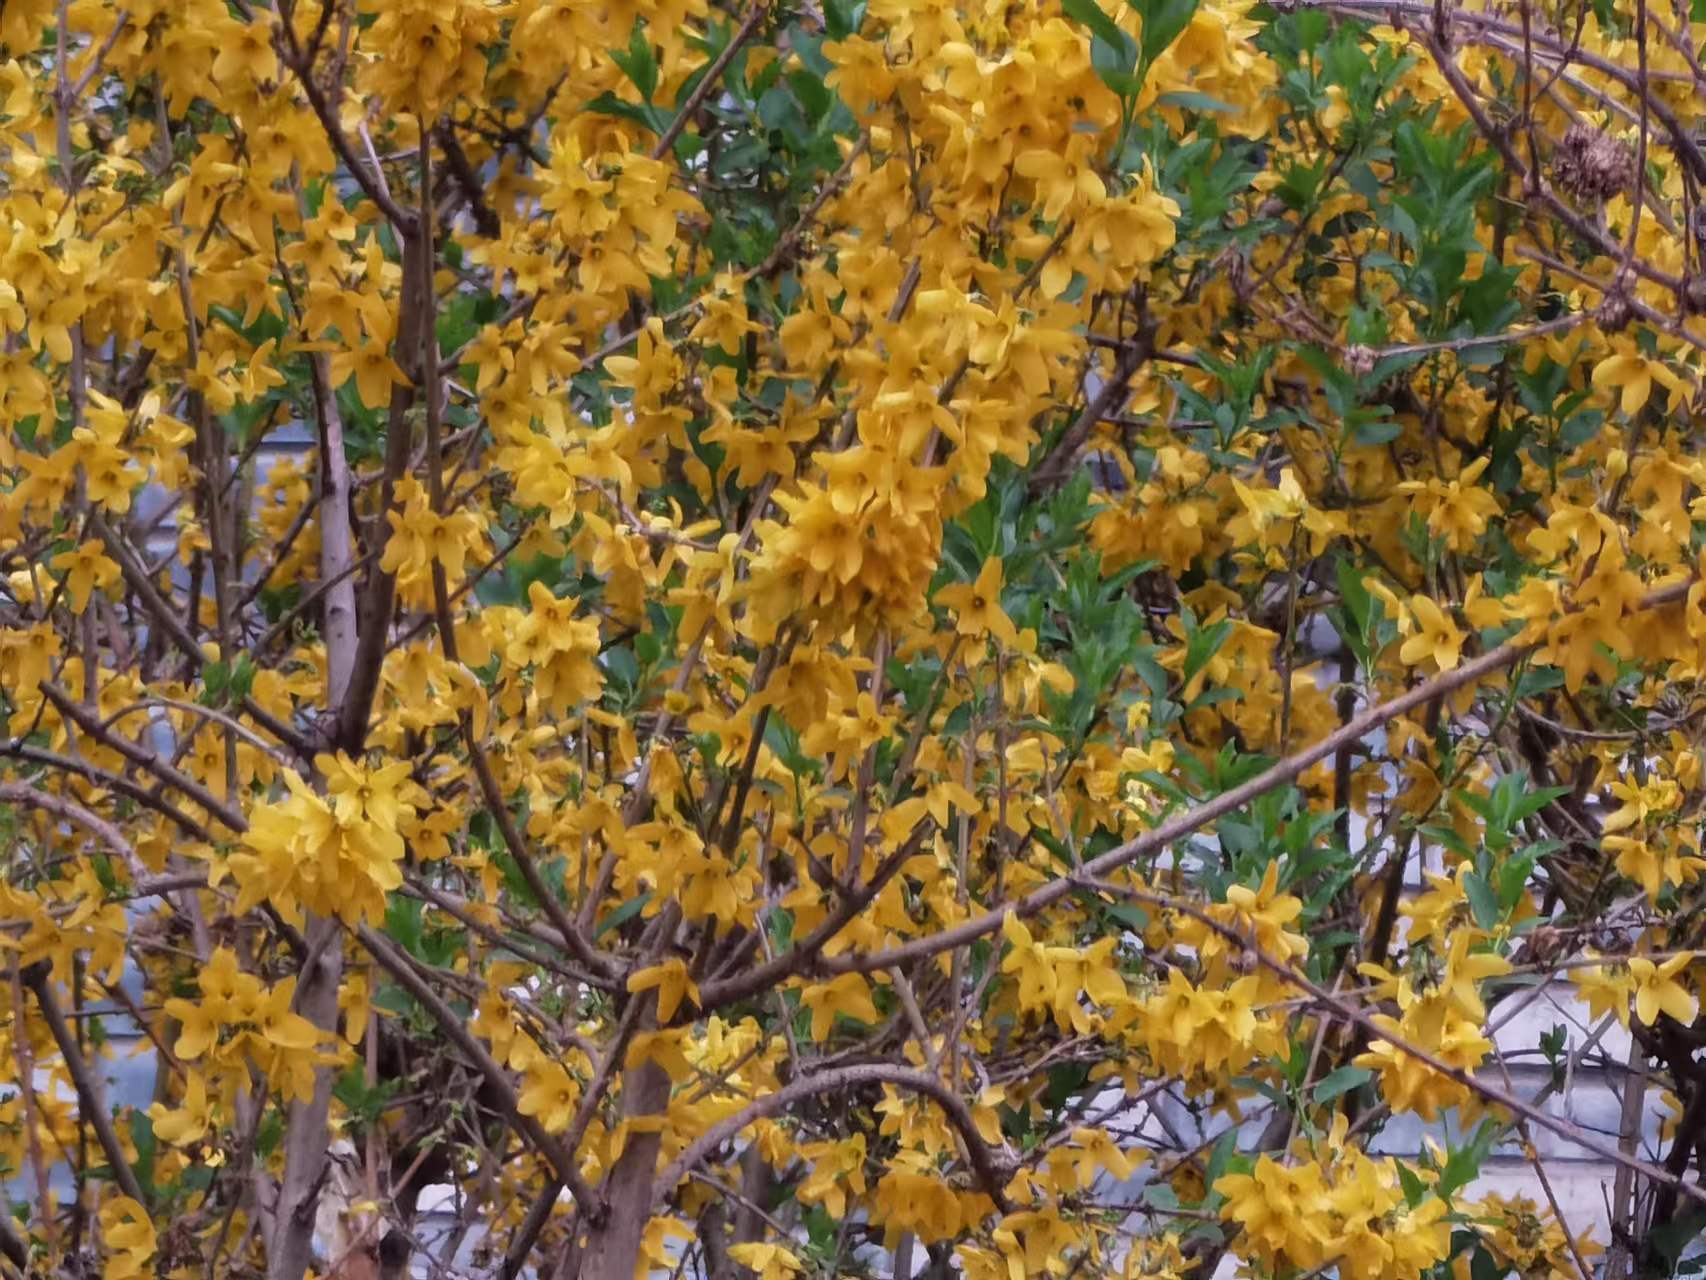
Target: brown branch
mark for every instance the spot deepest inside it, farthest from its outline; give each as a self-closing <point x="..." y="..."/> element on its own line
<point x="708" y="81"/>
<point x="1230" y="801"/>
<point x="375" y="621"/>
<point x="70" y="811"/>
<point x="325" y="111"/>
<point x="451" y="905"/>
<point x="574" y="938"/>
<point x="110" y="781"/>
<point x="802" y="957"/>
<point x="186" y="786"/>
<point x="455" y="1028"/>
<point x="305" y="1134"/>
<point x="496" y="803"/>
<point x="24" y="1054"/>
<point x="91" y="1094"/>
<point x="1057" y="464"/>
<point x="337" y="542"/>
<point x="463" y="171"/>
<point x="838" y="1080"/>
<point x="1365" y="1022"/>
<point x="515" y="1257"/>
<point x="99" y="60"/>
<point x="161" y="613"/>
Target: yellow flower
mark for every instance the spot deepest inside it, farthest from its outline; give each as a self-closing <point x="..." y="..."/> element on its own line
<point x="198" y="1027"/>
<point x="1638" y="802"/>
<point x="85" y="568"/>
<point x="357" y="792"/>
<point x="1437" y="636"/>
<point x="672" y="983"/>
<point x="1654" y="863"/>
<point x="548" y="1094"/>
<point x="1061" y="177"/>
<point x="978" y="605"/>
<point x="1408" y="1083"/>
<point x="652" y="371"/>
<point x="355" y="999"/>
<point x="1465" y="971"/>
<point x="848" y="994"/>
<point x="1264" y="912"/>
<point x="128" y="1235"/>
<point x="1632" y="375"/>
<point x="562" y="649"/>
<point x="189" y="1122"/>
<point x="1657" y="990"/>
<point x="1605" y="990"/>
<point x="828" y="1164"/>
<point x="246" y="58"/>
<point x="279" y="1025"/>
<point x="770" y="1261"/>
<point x="1282" y="1210"/>
<point x="373" y="369"/>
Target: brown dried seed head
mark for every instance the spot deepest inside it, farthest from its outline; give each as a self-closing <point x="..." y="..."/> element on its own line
<point x="1591" y="165"/>
<point x="1359" y="360"/>
<point x="1615" y="311"/>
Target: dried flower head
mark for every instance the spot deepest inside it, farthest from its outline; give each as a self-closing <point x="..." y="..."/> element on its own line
<point x="1592" y="165"/>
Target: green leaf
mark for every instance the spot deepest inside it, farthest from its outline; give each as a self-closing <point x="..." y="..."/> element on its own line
<point x="639" y="63"/>
<point x="1160" y="1195"/>
<point x="1091" y="15"/>
<point x="269" y="1132"/>
<point x="841" y="18"/>
<point x="403" y="923"/>
<point x="1463" y="1165"/>
<point x="1134" y="918"/>
<point x="1113" y="66"/>
<point x="1414" y="1188"/>
<point x="1112" y="52"/>
<point x="1375" y="432"/>
<point x="1203" y="645"/>
<point x="1530" y="801"/>
<point x="142" y="1137"/>
<point x="215" y="683"/>
<point x="1483" y="1266"/>
<point x="1163" y="21"/>
<point x="1225" y="1148"/>
<point x="1190" y="100"/>
<point x="242" y="677"/>
<point x="1481" y="901"/>
<point x="1513" y="877"/>
<point x="364" y="1103"/>
<point x="624" y="913"/>
<point x="608" y="104"/>
<point x="1340" y="1082"/>
<point x="1671" y="1238"/>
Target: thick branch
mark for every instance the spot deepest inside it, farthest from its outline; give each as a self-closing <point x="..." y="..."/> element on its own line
<point x="1057" y="465"/>
<point x="337" y="543"/>
<point x="375" y="623"/>
<point x="305" y="1137"/>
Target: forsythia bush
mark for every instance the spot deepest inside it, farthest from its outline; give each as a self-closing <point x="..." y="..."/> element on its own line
<point x="879" y="609"/>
